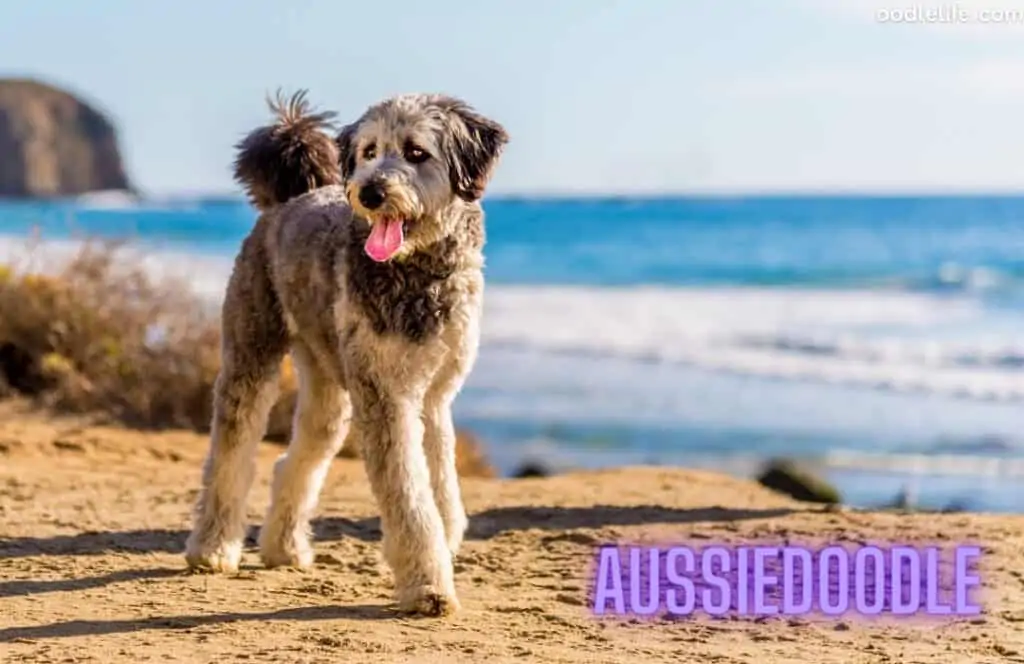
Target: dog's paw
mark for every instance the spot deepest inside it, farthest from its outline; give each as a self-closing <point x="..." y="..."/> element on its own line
<point x="428" y="601"/>
<point x="295" y="553"/>
<point x="224" y="557"/>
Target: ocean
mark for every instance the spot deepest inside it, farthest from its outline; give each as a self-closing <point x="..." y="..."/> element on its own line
<point x="879" y="339"/>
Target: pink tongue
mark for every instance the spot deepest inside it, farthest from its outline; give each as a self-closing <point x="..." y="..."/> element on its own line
<point x="385" y="239"/>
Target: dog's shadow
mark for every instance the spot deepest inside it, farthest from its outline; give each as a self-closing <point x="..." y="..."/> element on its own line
<point x="72" y="628"/>
<point x="483" y="526"/>
<point x="490" y="523"/>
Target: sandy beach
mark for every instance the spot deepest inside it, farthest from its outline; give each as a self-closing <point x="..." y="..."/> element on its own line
<point x="93" y="519"/>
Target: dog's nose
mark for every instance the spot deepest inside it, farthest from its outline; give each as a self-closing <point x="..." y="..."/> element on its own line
<point x="371" y="196"/>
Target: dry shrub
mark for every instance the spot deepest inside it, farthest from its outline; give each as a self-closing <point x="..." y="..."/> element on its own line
<point x="101" y="335"/>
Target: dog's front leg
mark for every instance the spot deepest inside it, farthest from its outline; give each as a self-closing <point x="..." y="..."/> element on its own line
<point x="439" y="438"/>
<point x="414" y="543"/>
<point x="439" y="444"/>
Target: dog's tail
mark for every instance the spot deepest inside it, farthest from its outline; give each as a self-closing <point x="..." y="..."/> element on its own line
<point x="290" y="157"/>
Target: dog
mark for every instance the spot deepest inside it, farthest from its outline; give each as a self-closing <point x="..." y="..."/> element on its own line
<point x="365" y="264"/>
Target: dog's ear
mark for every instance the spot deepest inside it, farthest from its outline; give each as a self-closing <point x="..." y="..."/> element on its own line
<point x="473" y="147"/>
<point x="346" y="153"/>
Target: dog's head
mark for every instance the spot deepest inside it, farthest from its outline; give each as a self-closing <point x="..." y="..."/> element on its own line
<point x="409" y="161"/>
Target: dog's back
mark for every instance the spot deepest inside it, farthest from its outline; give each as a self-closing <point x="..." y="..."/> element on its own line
<point x="289" y="170"/>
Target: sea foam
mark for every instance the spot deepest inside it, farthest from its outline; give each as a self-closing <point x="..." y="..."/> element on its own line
<point x="887" y="340"/>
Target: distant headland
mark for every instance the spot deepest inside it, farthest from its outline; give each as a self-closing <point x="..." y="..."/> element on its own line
<point x="54" y="144"/>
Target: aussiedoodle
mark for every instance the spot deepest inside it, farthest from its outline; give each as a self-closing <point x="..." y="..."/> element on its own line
<point x="366" y="265"/>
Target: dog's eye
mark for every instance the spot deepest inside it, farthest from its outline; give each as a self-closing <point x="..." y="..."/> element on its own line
<point x="414" y="154"/>
<point x="370" y="152"/>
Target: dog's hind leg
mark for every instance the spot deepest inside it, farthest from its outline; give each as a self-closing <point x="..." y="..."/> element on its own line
<point x="254" y="342"/>
<point x="321" y="421"/>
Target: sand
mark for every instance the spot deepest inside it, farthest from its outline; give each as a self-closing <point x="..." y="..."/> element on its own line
<point x="93" y="519"/>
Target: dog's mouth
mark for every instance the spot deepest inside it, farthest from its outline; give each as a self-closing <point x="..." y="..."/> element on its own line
<point x="387" y="235"/>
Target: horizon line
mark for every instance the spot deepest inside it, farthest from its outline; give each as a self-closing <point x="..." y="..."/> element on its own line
<point x="946" y="192"/>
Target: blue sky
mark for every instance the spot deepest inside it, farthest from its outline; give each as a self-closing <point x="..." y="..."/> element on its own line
<point x="598" y="95"/>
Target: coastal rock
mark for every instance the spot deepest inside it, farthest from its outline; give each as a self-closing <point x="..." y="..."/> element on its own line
<point x="54" y="144"/>
<point x="788" y="477"/>
<point x="532" y="469"/>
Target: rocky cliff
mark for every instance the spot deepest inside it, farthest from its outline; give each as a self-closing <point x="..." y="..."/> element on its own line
<point x="54" y="144"/>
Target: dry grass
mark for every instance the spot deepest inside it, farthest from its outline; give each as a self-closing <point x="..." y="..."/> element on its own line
<point x="100" y="335"/>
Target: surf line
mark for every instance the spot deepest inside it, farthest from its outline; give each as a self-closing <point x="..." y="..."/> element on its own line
<point x="786" y="581"/>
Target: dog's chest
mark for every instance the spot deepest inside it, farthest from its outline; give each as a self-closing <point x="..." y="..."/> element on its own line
<point x="411" y="300"/>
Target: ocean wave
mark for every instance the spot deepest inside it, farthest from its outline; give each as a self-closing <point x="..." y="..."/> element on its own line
<point x="930" y="353"/>
<point x="948" y="344"/>
<point x="952" y="465"/>
<point x="106" y="200"/>
<point x="125" y="201"/>
<point x="885" y="340"/>
<point x="207" y="275"/>
<point x="952" y="277"/>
